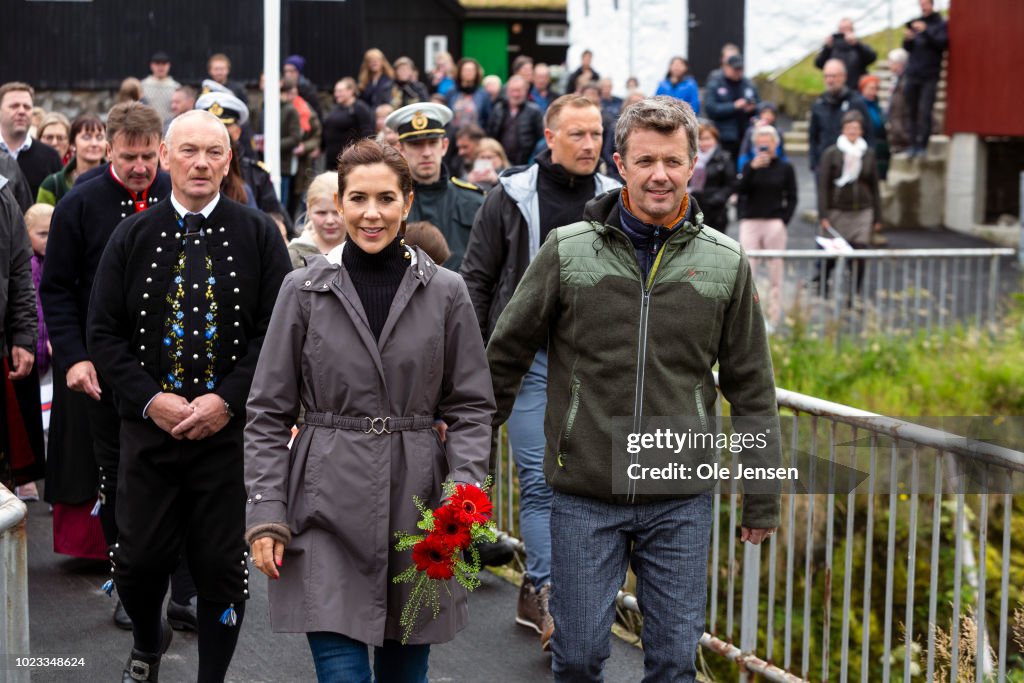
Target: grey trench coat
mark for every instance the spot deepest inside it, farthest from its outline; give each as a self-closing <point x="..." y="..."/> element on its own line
<point x="343" y="492"/>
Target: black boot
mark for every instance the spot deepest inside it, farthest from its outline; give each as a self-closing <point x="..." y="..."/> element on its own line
<point x="182" y="617"/>
<point x="121" y="618"/>
<point x="144" y="667"/>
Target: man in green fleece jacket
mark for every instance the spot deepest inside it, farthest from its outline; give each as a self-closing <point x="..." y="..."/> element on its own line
<point x="636" y="304"/>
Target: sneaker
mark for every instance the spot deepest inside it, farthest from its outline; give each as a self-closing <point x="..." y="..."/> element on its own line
<point x="532" y="610"/>
<point x="27" y="492"/>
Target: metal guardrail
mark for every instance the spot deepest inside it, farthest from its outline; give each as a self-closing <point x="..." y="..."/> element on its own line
<point x="790" y="578"/>
<point x="14" y="629"/>
<point x="899" y="290"/>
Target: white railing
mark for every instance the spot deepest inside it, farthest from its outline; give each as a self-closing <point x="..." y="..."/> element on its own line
<point x="14" y="632"/>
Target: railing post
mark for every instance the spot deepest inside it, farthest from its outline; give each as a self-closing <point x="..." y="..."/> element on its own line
<point x="14" y="631"/>
<point x="749" y="604"/>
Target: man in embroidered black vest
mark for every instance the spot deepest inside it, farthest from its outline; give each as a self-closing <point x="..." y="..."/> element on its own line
<point x="178" y="312"/>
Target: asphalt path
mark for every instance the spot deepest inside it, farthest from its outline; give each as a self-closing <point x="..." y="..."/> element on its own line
<point x="70" y="616"/>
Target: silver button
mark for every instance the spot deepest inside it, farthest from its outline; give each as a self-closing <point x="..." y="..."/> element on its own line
<point x="237" y="324"/>
<point x="195" y="333"/>
<point x="234" y="357"/>
<point x="177" y="235"/>
<point x="195" y="380"/>
<point x="222" y="228"/>
<point x="142" y="313"/>
<point x="236" y="342"/>
<point x="195" y="285"/>
<point x="145" y="295"/>
<point x="123" y="215"/>
<point x="236" y="290"/>
<point x="197" y="243"/>
<point x="159" y="249"/>
<point x="195" y="356"/>
<point x="225" y="243"/>
<point x="142" y="364"/>
<point x="259" y="496"/>
<point x="153" y="266"/>
<point x="142" y="331"/>
<point x="237" y="307"/>
<point x="308" y="283"/>
<point x="142" y="348"/>
<point x="325" y="285"/>
<point x="149" y="279"/>
<point x="232" y="273"/>
<point x="163" y="234"/>
<point x="249" y="501"/>
<point x="245" y="581"/>
<point x="195" y="309"/>
<point x="231" y="258"/>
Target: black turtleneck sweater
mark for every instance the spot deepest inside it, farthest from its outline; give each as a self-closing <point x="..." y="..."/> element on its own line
<point x="376" y="278"/>
<point x="561" y="195"/>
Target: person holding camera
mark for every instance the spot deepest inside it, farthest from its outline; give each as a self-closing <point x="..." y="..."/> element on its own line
<point x="845" y="46"/>
<point x="925" y="40"/>
<point x="766" y="203"/>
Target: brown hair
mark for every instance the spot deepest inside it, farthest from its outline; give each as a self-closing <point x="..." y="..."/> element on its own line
<point x="15" y="86"/>
<point x="369" y="151"/>
<point x="130" y="91"/>
<point x="662" y="114"/>
<point x="492" y="145"/>
<point x="708" y="127"/>
<point x="138" y="122"/>
<point x="554" y="111"/>
<point x="427" y="237"/>
<point x="364" y="69"/>
<point x="233" y="186"/>
<point x="476" y="65"/>
<point x="219" y="57"/>
<point x="87" y="122"/>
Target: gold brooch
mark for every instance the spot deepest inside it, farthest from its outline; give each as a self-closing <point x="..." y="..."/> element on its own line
<point x="419" y="121"/>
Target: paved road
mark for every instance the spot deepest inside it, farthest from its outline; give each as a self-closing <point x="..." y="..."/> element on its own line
<point x="70" y="616"/>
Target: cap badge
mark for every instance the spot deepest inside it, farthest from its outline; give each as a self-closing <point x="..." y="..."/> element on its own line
<point x="419" y="121"/>
<point x="216" y="109"/>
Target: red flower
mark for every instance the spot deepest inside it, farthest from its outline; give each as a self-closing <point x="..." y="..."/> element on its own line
<point x="434" y="557"/>
<point x="472" y="502"/>
<point x="451" y="527"/>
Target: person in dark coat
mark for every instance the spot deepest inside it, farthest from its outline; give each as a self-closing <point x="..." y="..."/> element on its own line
<point x="926" y="39"/>
<point x="179" y="308"/>
<point x="730" y="101"/>
<point x="399" y="340"/>
<point x="845" y="46"/>
<point x="218" y="66"/>
<point x="446" y="201"/>
<point x="585" y="69"/>
<point x="767" y="197"/>
<point x="293" y="67"/>
<point x="516" y="123"/>
<point x="84" y="430"/>
<point x="376" y="76"/>
<point x="16" y="183"/>
<point x="713" y="179"/>
<point x="406" y="89"/>
<point x="18" y="327"/>
<point x="35" y="159"/>
<point x="350" y="120"/>
<point x="828" y="110"/>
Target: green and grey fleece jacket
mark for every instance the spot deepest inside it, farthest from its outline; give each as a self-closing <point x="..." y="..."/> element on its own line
<point x="622" y="346"/>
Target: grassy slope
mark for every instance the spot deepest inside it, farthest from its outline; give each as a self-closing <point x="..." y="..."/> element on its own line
<point x="804" y="77"/>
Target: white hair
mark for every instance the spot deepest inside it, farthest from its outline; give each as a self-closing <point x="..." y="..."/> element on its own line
<point x="766" y="130"/>
<point x="194" y="114"/>
<point x="899" y="55"/>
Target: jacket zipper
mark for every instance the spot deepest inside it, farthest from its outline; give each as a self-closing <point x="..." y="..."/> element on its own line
<point x="570" y="419"/>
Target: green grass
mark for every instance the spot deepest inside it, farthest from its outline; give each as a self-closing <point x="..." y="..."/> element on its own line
<point x="959" y="372"/>
<point x="805" y="78"/>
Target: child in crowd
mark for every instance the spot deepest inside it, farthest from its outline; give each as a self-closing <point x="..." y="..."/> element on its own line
<point x="37" y="223"/>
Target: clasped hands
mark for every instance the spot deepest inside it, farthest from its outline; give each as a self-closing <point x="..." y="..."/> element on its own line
<point x="203" y="417"/>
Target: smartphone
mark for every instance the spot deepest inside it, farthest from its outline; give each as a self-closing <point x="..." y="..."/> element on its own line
<point x="483" y="165"/>
<point x="838" y="37"/>
<point x="764" y="149"/>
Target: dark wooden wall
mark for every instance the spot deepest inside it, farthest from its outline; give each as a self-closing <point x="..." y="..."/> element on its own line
<point x="94" y="45"/>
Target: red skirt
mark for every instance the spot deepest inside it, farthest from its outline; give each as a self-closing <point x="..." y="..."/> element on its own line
<point x="77" y="532"/>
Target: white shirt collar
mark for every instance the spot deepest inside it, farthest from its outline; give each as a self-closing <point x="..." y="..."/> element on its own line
<point x="206" y="210"/>
<point x="15" y="152"/>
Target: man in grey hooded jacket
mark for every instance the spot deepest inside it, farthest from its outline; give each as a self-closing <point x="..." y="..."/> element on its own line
<point x="516" y="217"/>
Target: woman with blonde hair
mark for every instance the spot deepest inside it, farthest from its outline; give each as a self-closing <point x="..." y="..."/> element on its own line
<point x="376" y="76"/>
<point x="323" y="227"/>
<point x="55" y="131"/>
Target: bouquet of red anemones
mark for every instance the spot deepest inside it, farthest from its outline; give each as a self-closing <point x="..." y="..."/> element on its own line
<point x="445" y="550"/>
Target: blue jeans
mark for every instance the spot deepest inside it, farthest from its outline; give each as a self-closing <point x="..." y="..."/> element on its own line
<point x="526" y="439"/>
<point x="340" y="659"/>
<point x="666" y="543"/>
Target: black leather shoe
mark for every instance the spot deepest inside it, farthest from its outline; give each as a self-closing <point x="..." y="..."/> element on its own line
<point x="144" y="667"/>
<point x="121" y="618"/>
<point x="182" y="617"/>
<point x="496" y="554"/>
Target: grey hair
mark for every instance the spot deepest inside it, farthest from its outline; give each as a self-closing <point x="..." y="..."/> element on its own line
<point x="193" y="114"/>
<point x="899" y="55"/>
<point x="766" y="130"/>
<point x="663" y="114"/>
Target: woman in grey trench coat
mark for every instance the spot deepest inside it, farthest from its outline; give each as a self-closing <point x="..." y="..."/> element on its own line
<point x="375" y="341"/>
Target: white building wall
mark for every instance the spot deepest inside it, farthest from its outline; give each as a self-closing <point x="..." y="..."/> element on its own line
<point x="639" y="37"/>
<point x="636" y="39"/>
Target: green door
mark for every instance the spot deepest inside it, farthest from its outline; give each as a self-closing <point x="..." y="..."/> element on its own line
<point x="487" y="42"/>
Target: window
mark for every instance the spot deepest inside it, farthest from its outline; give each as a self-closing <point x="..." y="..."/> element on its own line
<point x="552" y="34"/>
